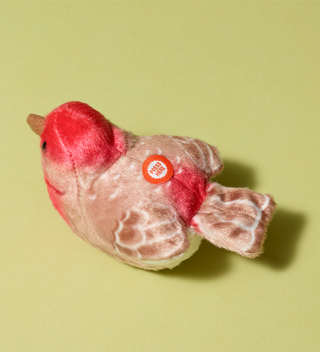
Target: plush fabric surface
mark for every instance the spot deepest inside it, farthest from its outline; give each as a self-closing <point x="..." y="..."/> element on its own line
<point x="234" y="218"/>
<point x="94" y="177"/>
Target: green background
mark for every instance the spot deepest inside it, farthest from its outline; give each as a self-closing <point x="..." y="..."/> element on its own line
<point x="240" y="75"/>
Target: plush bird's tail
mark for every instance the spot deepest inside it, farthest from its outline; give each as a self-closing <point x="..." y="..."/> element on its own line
<point x="235" y="219"/>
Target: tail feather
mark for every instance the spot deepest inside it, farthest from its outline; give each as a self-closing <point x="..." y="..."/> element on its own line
<point x="235" y="219"/>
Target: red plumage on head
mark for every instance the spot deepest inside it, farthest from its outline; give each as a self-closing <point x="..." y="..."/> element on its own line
<point x="76" y="135"/>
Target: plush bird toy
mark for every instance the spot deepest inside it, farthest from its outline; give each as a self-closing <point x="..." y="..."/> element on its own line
<point x="146" y="201"/>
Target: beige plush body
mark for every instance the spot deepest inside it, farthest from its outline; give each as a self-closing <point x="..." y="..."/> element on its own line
<point x="154" y="226"/>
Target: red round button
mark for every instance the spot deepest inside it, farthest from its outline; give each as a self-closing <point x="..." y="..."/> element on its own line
<point x="157" y="169"/>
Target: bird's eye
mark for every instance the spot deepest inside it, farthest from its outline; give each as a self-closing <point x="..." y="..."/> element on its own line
<point x="44" y="146"/>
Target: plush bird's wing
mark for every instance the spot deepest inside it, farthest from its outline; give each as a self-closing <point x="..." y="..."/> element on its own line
<point x="235" y="219"/>
<point x="203" y="155"/>
<point x="150" y="231"/>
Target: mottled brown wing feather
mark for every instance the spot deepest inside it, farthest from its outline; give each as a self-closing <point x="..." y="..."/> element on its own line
<point x="150" y="231"/>
<point x="203" y="155"/>
<point x="235" y="219"/>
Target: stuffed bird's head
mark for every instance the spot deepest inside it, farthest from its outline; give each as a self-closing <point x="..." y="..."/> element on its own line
<point x="76" y="136"/>
<point x="76" y="142"/>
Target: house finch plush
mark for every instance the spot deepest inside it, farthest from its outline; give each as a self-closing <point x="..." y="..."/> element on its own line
<point x="146" y="201"/>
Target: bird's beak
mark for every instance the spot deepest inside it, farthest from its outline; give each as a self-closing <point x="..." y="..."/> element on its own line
<point x="36" y="123"/>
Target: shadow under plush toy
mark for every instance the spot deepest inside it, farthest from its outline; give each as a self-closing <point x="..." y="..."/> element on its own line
<point x="146" y="201"/>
